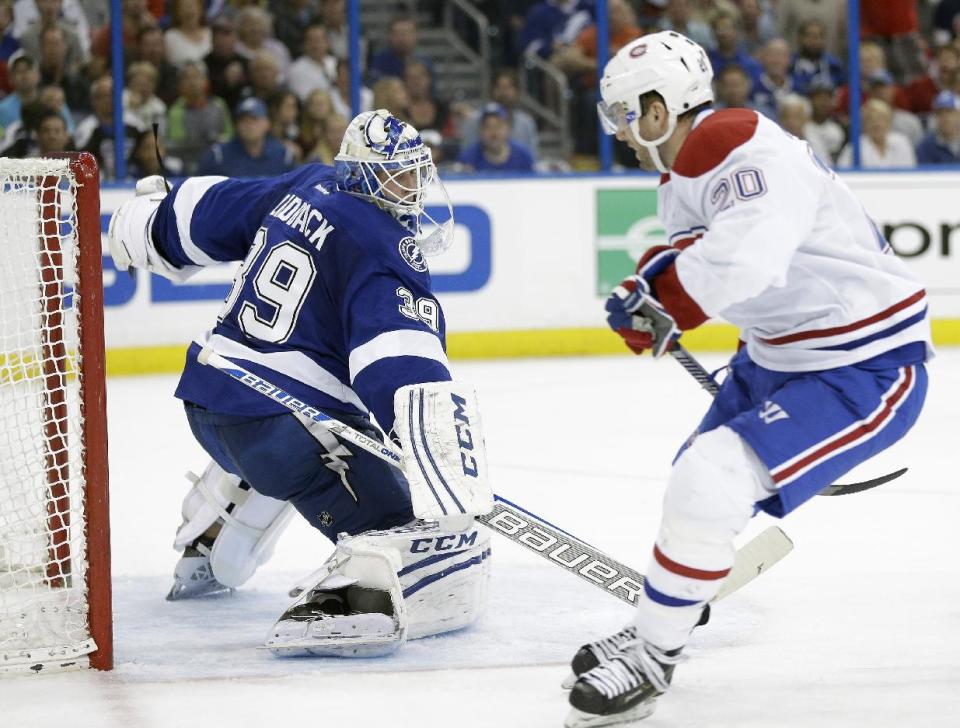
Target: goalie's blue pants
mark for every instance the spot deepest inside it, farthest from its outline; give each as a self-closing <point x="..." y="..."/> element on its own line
<point x="809" y="428"/>
<point x="335" y="487"/>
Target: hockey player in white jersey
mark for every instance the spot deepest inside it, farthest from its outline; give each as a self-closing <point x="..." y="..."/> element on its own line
<point x="834" y="329"/>
<point x="332" y="303"/>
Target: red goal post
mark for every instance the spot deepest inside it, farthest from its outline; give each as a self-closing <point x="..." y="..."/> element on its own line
<point x="55" y="593"/>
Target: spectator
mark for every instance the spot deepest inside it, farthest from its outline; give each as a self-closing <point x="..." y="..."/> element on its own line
<point x="506" y="92"/>
<point x="390" y="93"/>
<point x="26" y="12"/>
<point x="134" y="18"/>
<point x="140" y="97"/>
<point x="153" y="49"/>
<point x="255" y="36"/>
<point x="284" y="109"/>
<point x="923" y="90"/>
<point x="54" y="70"/>
<point x="830" y="14"/>
<point x="881" y="86"/>
<point x="401" y="47"/>
<point x="143" y="160"/>
<point x="196" y="120"/>
<point x="340" y="93"/>
<point x="756" y="24"/>
<point x="313" y="120"/>
<point x="95" y="133"/>
<point x="733" y="88"/>
<point x="775" y="82"/>
<point x="52" y="134"/>
<point x="226" y="68"/>
<point x="329" y="144"/>
<point x="730" y="49"/>
<point x="50" y="16"/>
<point x="20" y="138"/>
<point x="946" y="21"/>
<point x="823" y="126"/>
<point x="812" y="59"/>
<point x="188" y="39"/>
<point x="546" y="21"/>
<point x="942" y="145"/>
<point x="873" y="61"/>
<point x="496" y="152"/>
<point x="895" y="26"/>
<point x="880" y="146"/>
<point x="425" y="111"/>
<point x="252" y="152"/>
<point x="25" y="80"/>
<point x="678" y="17"/>
<point x="333" y="16"/>
<point x="8" y="44"/>
<point x="793" y="111"/>
<point x="53" y="98"/>
<point x="316" y="68"/>
<point x="291" y="18"/>
<point x="263" y="74"/>
<point x="580" y="57"/>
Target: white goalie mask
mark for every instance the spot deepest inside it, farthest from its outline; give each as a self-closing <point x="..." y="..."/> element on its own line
<point x="383" y="159"/>
<point x="670" y="64"/>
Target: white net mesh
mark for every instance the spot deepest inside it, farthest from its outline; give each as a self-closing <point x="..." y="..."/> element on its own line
<point x="43" y="606"/>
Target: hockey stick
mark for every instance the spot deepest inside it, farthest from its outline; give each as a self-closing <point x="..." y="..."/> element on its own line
<point x="696" y="370"/>
<point x="515" y="523"/>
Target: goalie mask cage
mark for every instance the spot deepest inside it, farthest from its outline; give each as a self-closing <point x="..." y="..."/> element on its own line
<point x="55" y="608"/>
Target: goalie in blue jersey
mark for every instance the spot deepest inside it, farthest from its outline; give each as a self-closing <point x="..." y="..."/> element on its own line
<point x="333" y="303"/>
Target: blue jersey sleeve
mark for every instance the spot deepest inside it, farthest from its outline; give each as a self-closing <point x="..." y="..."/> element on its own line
<point x="206" y="220"/>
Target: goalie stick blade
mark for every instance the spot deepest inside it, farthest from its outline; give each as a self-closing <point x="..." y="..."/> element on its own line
<point x="841" y="489"/>
<point x="755" y="558"/>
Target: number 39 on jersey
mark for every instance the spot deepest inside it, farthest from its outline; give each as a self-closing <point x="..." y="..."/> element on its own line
<point x="280" y="284"/>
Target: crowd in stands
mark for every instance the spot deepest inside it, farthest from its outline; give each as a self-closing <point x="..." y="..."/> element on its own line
<point x="257" y="87"/>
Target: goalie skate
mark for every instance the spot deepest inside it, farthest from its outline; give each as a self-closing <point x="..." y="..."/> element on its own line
<point x="193" y="575"/>
<point x="350" y="621"/>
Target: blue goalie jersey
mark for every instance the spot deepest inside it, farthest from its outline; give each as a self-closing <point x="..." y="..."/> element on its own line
<point x="332" y="301"/>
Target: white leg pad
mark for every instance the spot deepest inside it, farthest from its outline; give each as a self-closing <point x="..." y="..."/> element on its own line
<point x="444" y="457"/>
<point x="430" y="579"/>
<point x="252" y="523"/>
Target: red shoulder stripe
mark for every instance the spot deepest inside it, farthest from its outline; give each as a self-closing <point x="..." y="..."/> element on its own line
<point x="714" y="139"/>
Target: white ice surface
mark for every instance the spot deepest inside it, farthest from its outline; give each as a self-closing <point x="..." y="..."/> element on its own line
<point x="859" y="626"/>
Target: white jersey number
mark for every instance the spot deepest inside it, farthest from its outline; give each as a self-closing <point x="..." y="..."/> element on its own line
<point x="282" y="282"/>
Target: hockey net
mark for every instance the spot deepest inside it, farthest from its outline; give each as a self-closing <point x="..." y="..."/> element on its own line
<point x="54" y="536"/>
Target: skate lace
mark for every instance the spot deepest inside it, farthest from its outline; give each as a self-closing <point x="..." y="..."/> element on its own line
<point x="637" y="662"/>
<point x="606" y="648"/>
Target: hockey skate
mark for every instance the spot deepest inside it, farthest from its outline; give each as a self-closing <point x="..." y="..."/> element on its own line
<point x="349" y="621"/>
<point x="595" y="653"/>
<point x="624" y="688"/>
<point x="193" y="576"/>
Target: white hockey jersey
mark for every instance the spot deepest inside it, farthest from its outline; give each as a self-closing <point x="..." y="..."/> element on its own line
<point x="775" y="243"/>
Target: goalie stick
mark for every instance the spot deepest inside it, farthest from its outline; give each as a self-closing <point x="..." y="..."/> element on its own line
<point x="517" y="524"/>
<point x="696" y="370"/>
